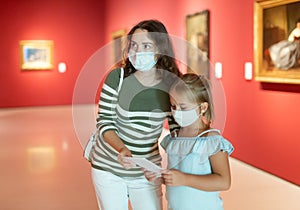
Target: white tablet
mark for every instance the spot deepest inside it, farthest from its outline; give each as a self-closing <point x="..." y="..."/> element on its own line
<point x="144" y="163"/>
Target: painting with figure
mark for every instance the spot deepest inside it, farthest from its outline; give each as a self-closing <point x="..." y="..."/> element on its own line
<point x="277" y="41"/>
<point x="197" y="35"/>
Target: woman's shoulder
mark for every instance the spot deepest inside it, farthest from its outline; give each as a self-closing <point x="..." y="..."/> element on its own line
<point x="113" y="77"/>
<point x="115" y="72"/>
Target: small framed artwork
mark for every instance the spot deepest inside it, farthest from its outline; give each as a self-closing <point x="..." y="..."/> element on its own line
<point x="118" y="38"/>
<point x="277" y="41"/>
<point x="197" y="35"/>
<point x="36" y="54"/>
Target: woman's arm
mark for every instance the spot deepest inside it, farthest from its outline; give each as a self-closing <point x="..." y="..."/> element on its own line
<point x="219" y="180"/>
<point x="106" y="119"/>
<point x="113" y="140"/>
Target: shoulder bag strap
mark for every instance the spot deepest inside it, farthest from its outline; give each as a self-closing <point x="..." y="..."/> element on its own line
<point x="121" y="79"/>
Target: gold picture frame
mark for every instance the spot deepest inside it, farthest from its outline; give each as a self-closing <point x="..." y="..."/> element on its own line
<point x="118" y="38"/>
<point x="36" y="54"/>
<point x="273" y="22"/>
<point x="197" y="36"/>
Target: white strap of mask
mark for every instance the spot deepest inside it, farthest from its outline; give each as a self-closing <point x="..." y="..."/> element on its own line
<point x="209" y="130"/>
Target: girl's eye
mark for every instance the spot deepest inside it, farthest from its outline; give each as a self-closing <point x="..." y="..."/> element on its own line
<point x="173" y="107"/>
<point x="183" y="108"/>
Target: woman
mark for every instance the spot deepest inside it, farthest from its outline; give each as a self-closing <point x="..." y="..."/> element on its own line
<point x="131" y="120"/>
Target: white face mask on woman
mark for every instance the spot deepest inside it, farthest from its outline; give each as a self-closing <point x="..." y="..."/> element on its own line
<point x="144" y="61"/>
<point x="186" y="117"/>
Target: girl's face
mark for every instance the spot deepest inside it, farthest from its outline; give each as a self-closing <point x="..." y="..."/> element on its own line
<point x="181" y="101"/>
<point x="140" y="42"/>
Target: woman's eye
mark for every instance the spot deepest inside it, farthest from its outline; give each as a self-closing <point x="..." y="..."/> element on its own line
<point x="133" y="45"/>
<point x="147" y="46"/>
<point x="173" y="107"/>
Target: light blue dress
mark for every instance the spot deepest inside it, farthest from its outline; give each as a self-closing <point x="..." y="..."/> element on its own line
<point x="191" y="155"/>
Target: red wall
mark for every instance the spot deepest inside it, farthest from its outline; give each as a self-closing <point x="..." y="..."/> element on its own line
<point x="262" y="119"/>
<point x="76" y="27"/>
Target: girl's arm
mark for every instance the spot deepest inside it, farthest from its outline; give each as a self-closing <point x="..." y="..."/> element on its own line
<point x="219" y="180"/>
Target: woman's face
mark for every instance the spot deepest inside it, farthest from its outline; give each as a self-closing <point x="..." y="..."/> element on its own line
<point x="140" y="42"/>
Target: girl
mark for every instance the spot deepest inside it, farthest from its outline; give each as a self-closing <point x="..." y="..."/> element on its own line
<point x="198" y="165"/>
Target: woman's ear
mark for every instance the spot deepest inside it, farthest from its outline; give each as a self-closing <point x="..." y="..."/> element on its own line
<point x="157" y="56"/>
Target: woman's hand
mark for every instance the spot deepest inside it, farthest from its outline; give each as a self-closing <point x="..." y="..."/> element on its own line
<point x="153" y="176"/>
<point x="173" y="177"/>
<point x="125" y="152"/>
<point x="150" y="175"/>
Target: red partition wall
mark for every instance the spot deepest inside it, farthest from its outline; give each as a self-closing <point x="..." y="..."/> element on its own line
<point x="262" y="119"/>
<point x="76" y="27"/>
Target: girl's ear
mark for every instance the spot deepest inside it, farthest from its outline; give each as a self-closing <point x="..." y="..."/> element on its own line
<point x="204" y="107"/>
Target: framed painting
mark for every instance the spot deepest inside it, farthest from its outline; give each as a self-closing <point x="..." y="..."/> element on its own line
<point x="36" y="54"/>
<point x="276" y="45"/>
<point x="118" y="38"/>
<point x="197" y="35"/>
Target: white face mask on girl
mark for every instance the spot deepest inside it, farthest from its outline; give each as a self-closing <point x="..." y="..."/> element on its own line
<point x="144" y="61"/>
<point x="185" y="118"/>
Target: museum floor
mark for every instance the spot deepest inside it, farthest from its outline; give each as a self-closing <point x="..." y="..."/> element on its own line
<point x="42" y="167"/>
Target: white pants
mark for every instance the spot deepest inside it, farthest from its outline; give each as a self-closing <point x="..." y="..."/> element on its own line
<point x="113" y="192"/>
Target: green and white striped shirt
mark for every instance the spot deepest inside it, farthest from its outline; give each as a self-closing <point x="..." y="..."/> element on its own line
<point x="137" y="114"/>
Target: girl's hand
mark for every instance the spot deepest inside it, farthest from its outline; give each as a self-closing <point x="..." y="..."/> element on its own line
<point x="125" y="152"/>
<point x="173" y="177"/>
